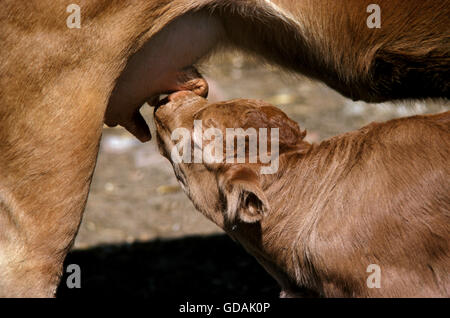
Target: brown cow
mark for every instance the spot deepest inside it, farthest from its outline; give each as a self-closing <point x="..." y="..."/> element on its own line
<point x="58" y="85"/>
<point x="378" y="196"/>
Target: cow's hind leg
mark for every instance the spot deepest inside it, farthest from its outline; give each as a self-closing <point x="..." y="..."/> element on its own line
<point x="47" y="157"/>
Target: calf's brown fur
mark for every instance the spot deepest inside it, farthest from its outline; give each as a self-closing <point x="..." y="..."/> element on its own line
<point x="379" y="195"/>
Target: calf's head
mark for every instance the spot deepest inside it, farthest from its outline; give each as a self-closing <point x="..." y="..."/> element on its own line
<point x="219" y="152"/>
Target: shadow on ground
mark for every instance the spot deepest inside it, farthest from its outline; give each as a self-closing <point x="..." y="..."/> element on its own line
<point x="191" y="266"/>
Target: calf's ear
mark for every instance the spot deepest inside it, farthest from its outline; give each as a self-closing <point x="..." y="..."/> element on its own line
<point x="245" y="199"/>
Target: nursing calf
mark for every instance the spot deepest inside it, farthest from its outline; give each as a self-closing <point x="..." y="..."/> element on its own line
<point x="379" y="195"/>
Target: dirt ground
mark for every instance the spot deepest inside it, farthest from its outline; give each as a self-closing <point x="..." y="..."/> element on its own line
<point x="142" y="237"/>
